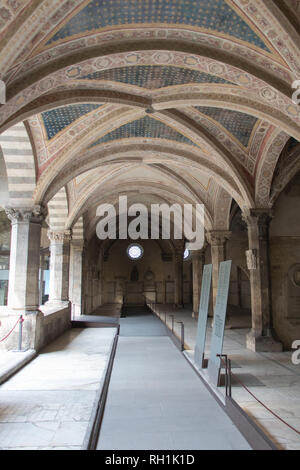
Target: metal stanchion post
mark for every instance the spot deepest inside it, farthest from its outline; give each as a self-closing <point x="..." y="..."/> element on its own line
<point x="229" y="377"/>
<point x="20" y="333"/>
<point x="20" y="338"/>
<point x="182" y="334"/>
<point x="172" y="316"/>
<point x="226" y="371"/>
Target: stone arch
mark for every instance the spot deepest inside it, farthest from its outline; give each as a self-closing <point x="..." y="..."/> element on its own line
<point x="222" y="210"/>
<point x="166" y="195"/>
<point x="20" y="165"/>
<point x="58" y="211"/>
<point x="266" y="168"/>
<point x="95" y="185"/>
<point x="75" y="156"/>
<point x="261" y="102"/>
<point x="78" y="230"/>
<point x="285" y="172"/>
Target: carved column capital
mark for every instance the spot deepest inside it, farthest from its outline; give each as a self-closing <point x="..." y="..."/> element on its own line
<point x="59" y="236"/>
<point x="217" y="237"/>
<point x="259" y="218"/>
<point x="35" y="214"/>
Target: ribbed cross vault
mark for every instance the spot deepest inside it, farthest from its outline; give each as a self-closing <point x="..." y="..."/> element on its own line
<point x="194" y="107"/>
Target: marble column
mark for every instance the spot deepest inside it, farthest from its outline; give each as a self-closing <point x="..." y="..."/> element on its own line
<point x="217" y="240"/>
<point x="59" y="267"/>
<point x="198" y="261"/>
<point x="23" y="290"/>
<point x="75" y="283"/>
<point x="260" y="337"/>
<point x="178" y="279"/>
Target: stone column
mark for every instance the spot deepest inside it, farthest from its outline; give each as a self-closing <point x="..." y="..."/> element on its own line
<point x="23" y="290"/>
<point x="178" y="279"/>
<point x="260" y="338"/>
<point x="59" y="267"/>
<point x="76" y="267"/>
<point x="198" y="261"/>
<point x="217" y="240"/>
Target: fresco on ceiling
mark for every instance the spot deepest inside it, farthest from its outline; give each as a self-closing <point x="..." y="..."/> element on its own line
<point x="58" y="119"/>
<point x="240" y="125"/>
<point x="155" y="76"/>
<point x="215" y="16"/>
<point x="145" y="127"/>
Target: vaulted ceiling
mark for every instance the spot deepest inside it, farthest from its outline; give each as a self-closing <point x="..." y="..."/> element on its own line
<point x="171" y="100"/>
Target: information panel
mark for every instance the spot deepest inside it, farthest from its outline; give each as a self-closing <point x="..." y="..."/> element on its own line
<point x="203" y="313"/>
<point x="219" y="321"/>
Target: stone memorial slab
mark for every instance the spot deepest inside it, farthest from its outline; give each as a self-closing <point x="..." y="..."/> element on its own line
<point x="203" y="313"/>
<point x="219" y="322"/>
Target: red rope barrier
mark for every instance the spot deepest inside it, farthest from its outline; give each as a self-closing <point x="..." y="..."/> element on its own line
<point x="20" y="319"/>
<point x="260" y="402"/>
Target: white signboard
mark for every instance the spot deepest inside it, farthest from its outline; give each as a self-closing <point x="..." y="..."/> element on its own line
<point x="219" y="322"/>
<point x="203" y="312"/>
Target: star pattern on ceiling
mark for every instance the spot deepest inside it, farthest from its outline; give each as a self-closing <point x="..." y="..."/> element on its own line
<point x="58" y="119"/>
<point x="215" y="16"/>
<point x="155" y="76"/>
<point x="145" y="127"/>
<point x="240" y="125"/>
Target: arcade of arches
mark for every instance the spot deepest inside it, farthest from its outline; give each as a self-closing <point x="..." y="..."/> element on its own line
<point x="164" y="101"/>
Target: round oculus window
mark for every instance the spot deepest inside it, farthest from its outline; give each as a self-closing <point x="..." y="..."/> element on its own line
<point x="135" y="251"/>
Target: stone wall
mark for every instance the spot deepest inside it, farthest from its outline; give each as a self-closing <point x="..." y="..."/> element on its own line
<point x="285" y="264"/>
<point x="111" y="277"/>
<point x="51" y="325"/>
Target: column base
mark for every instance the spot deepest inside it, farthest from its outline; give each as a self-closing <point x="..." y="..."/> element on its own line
<point x="262" y="343"/>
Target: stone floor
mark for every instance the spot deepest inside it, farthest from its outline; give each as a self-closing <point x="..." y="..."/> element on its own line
<point x="52" y="397"/>
<point x="270" y="376"/>
<point x="11" y="362"/>
<point x="155" y="399"/>
<point x="48" y="404"/>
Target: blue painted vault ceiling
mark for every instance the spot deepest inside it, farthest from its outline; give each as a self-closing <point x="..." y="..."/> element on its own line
<point x="216" y="15"/>
<point x="240" y="125"/>
<point x="57" y="119"/>
<point x="145" y="127"/>
<point x="155" y="76"/>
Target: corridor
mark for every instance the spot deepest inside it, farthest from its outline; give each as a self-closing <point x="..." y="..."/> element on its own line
<point x="155" y="399"/>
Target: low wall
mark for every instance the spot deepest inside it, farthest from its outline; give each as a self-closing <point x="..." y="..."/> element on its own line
<point x="51" y="325"/>
<point x="39" y="327"/>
